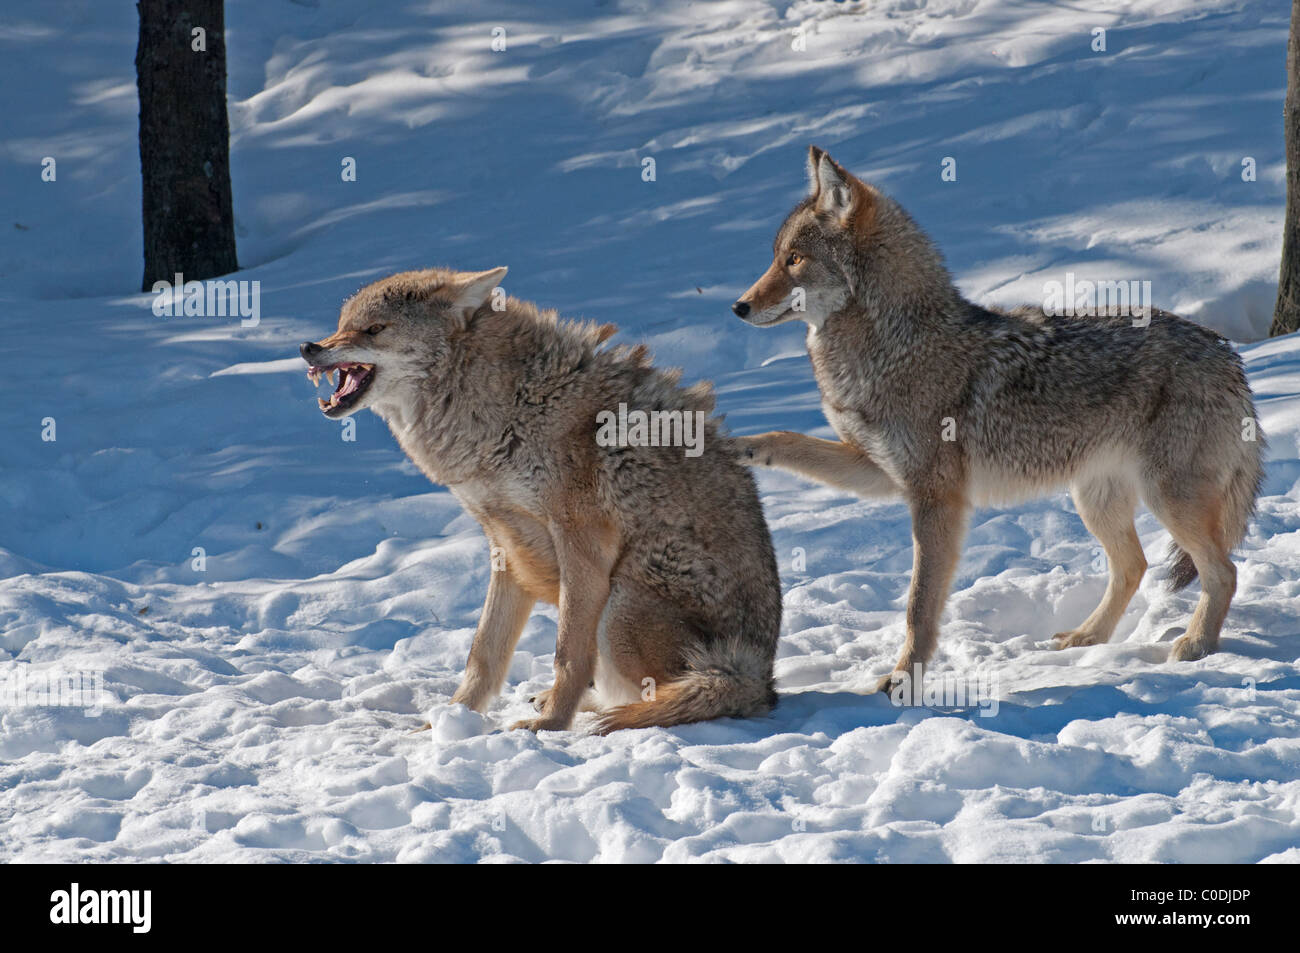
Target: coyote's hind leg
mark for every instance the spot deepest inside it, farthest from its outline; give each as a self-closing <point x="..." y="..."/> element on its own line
<point x="1106" y="506"/>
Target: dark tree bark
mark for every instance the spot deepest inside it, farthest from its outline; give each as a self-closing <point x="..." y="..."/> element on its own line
<point x="1286" y="314"/>
<point x="189" y="226"/>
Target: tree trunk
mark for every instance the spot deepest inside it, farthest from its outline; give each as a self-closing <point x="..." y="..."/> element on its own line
<point x="1286" y="314"/>
<point x="189" y="226"/>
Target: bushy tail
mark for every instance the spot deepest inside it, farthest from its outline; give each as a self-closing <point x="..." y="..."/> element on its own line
<point x="1238" y="507"/>
<point x="731" y="679"/>
<point x="1182" y="571"/>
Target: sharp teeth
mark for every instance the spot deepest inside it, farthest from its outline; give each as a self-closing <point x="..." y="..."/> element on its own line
<point x="322" y="403"/>
<point x="332" y="375"/>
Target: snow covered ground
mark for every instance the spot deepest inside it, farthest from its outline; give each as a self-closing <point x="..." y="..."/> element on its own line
<point x="260" y="709"/>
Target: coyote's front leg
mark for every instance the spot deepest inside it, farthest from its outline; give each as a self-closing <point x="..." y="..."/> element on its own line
<point x="836" y="464"/>
<point x="504" y="614"/>
<point x="938" y="526"/>
<point x="585" y="559"/>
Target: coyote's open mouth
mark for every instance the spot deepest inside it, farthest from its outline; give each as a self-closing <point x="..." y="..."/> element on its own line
<point x="354" y="380"/>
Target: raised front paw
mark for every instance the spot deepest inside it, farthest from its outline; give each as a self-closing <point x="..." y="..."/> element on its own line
<point x="755" y="451"/>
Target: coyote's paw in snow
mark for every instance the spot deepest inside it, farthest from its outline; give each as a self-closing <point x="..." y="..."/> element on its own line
<point x="539" y="700"/>
<point x="539" y="724"/>
<point x="1077" y="638"/>
<point x="887" y="683"/>
<point x="588" y="702"/>
<point x="1186" y="649"/>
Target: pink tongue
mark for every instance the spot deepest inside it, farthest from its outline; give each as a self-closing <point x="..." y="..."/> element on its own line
<point x="349" y="383"/>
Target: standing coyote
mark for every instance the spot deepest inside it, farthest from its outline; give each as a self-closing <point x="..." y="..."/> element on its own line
<point x="657" y="556"/>
<point x="951" y="405"/>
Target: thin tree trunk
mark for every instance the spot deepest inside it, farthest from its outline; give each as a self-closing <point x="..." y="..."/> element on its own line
<point x="1286" y="314"/>
<point x="189" y="226"/>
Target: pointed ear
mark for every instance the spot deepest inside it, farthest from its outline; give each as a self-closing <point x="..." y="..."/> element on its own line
<point x="814" y="159"/>
<point x="475" y="289"/>
<point x="837" y="191"/>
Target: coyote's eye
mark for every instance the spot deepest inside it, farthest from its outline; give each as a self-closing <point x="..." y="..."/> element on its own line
<point x="374" y="329"/>
<point x="793" y="260"/>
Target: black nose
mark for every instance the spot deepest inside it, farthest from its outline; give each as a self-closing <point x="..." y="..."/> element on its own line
<point x="308" y="348"/>
<point x="741" y="308"/>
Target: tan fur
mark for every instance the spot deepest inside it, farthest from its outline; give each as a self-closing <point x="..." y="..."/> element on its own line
<point x="773" y="287"/>
<point x="951" y="405"/>
<point x="660" y="563"/>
